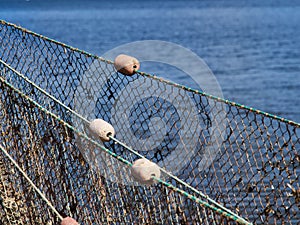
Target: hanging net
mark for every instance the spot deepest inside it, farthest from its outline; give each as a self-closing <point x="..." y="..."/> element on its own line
<point x="232" y="165"/>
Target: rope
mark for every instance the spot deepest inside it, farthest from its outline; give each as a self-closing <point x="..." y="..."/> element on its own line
<point x="218" y="210"/>
<point x="30" y="181"/>
<point x="157" y="78"/>
<point x="54" y="41"/>
<point x="43" y="91"/>
<point x="178" y="179"/>
<point x="255" y="142"/>
<point x="119" y="142"/>
<point x="203" y="203"/>
<point x="64" y="123"/>
<point x="218" y="98"/>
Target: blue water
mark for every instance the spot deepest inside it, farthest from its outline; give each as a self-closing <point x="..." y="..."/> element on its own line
<point x="252" y="47"/>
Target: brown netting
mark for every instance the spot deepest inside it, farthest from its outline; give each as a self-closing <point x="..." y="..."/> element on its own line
<point x="246" y="160"/>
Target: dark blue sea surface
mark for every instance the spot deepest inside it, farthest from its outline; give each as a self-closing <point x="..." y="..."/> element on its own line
<point x="252" y="47"/>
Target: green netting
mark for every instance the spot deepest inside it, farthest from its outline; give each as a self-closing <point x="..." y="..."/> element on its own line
<point x="244" y="159"/>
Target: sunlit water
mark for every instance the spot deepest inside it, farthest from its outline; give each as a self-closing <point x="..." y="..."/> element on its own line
<point x="252" y="48"/>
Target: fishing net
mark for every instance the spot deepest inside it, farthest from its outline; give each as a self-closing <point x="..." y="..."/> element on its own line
<point x="244" y="159"/>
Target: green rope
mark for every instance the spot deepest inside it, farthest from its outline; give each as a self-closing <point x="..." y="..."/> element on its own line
<point x="121" y="159"/>
<point x="202" y="203"/>
<point x="116" y="140"/>
<point x="143" y="74"/>
<point x="218" y="98"/>
<point x="65" y="123"/>
<point x="178" y="179"/>
<point x="43" y="91"/>
<point x="155" y="77"/>
<point x="54" y="41"/>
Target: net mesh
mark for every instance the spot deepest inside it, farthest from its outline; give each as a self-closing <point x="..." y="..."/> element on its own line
<point x="244" y="159"/>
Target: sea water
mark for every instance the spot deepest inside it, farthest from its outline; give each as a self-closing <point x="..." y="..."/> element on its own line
<point x="252" y="47"/>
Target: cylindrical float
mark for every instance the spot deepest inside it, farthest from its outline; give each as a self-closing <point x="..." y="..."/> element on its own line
<point x="142" y="170"/>
<point x="102" y="129"/>
<point x="69" y="221"/>
<point x="127" y="65"/>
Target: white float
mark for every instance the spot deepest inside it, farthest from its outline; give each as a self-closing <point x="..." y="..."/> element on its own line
<point x="143" y="171"/>
<point x="102" y="129"/>
<point x="127" y="65"/>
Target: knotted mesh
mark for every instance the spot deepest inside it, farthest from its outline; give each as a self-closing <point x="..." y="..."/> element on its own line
<point x="244" y="159"/>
